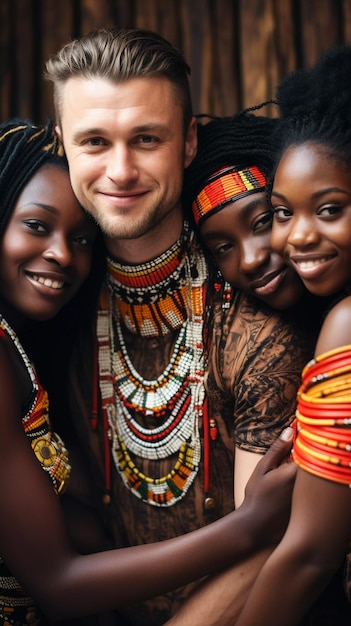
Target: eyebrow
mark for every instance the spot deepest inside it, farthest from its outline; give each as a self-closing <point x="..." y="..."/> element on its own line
<point x="79" y="134"/>
<point x="317" y="194"/>
<point x="255" y="202"/>
<point x="102" y="132"/>
<point x="150" y="126"/>
<point x="40" y="205"/>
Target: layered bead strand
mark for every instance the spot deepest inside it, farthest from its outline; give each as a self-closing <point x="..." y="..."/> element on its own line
<point x="162" y="296"/>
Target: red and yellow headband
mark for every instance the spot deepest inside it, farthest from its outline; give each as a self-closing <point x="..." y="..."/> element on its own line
<point x="225" y="186"/>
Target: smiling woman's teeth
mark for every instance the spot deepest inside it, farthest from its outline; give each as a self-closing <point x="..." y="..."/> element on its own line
<point x="309" y="264"/>
<point x="54" y="284"/>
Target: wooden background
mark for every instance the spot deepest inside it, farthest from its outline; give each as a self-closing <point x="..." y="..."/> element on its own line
<point x="238" y="49"/>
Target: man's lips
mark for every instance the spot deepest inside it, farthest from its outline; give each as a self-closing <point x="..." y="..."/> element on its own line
<point x="123" y="196"/>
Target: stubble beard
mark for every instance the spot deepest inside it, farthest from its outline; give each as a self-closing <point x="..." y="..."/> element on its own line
<point x="125" y="228"/>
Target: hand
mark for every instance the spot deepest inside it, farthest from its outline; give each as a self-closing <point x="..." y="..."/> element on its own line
<point x="269" y="490"/>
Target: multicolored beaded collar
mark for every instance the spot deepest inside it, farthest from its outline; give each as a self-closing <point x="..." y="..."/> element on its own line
<point x="228" y="184"/>
<point x="151" y="299"/>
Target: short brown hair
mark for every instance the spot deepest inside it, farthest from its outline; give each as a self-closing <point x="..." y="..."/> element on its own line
<point x="120" y="54"/>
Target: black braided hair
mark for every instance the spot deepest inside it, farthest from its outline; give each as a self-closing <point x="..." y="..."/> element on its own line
<point x="241" y="140"/>
<point x="315" y="105"/>
<point x="24" y="148"/>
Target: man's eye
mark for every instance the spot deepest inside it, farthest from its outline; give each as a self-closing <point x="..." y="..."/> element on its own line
<point x="94" y="141"/>
<point x="146" y="140"/>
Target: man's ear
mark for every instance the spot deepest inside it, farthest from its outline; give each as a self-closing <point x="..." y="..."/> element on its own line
<point x="58" y="132"/>
<point x="190" y="142"/>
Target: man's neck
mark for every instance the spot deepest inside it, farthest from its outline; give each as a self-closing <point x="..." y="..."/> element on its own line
<point x="137" y="251"/>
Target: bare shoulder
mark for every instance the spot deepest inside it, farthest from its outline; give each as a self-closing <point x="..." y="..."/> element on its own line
<point x="6" y="358"/>
<point x="336" y="329"/>
<point x="15" y="385"/>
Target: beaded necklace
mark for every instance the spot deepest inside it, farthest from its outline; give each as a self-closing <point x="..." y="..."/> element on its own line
<point x="167" y="294"/>
<point x="152" y="299"/>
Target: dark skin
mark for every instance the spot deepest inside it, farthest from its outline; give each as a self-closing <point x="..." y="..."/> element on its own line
<point x="33" y="531"/>
<point x="78" y="585"/>
<point x="311" y="200"/>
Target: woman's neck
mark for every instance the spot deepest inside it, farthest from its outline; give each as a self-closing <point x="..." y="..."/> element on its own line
<point x="15" y="318"/>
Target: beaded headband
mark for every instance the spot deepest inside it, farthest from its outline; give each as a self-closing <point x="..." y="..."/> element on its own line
<point x="225" y="186"/>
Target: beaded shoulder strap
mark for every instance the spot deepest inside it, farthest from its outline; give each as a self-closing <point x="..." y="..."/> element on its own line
<point x="48" y="447"/>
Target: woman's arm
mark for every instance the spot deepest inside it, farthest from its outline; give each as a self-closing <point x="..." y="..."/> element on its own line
<point x="244" y="464"/>
<point x="264" y="391"/>
<point x="266" y="388"/>
<point x="318" y="533"/>
<point x="35" y="546"/>
<point x="307" y="558"/>
<point x="213" y="603"/>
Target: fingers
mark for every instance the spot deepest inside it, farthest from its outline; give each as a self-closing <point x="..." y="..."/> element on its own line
<point x="278" y="452"/>
<point x="284" y="474"/>
<point x="272" y="484"/>
<point x="265" y="481"/>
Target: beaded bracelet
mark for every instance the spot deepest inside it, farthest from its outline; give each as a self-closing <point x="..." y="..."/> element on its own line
<point x="319" y="468"/>
<point x="323" y="443"/>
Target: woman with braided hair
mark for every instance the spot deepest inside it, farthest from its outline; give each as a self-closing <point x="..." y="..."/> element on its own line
<point x="46" y="243"/>
<point x="311" y="201"/>
<point x="225" y="195"/>
<point x="225" y="188"/>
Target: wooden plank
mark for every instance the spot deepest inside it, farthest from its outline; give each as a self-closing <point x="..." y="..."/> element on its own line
<point x="6" y="60"/>
<point x="198" y="51"/>
<point x="58" y="27"/>
<point x="225" y="84"/>
<point x="285" y="36"/>
<point x="320" y="28"/>
<point x="147" y="14"/>
<point x="168" y="21"/>
<point x="160" y="16"/>
<point x="25" y="69"/>
<point x="238" y="50"/>
<point x="103" y="14"/>
<point x="257" y="50"/>
<point x="346" y="20"/>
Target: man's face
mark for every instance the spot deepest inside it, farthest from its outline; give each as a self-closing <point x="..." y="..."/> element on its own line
<point x="126" y="150"/>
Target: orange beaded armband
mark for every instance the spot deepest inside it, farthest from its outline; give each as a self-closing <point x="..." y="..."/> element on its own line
<point x="323" y="443"/>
